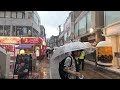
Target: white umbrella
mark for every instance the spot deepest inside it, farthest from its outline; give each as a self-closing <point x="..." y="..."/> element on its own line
<point x="73" y="46"/>
<point x="59" y="51"/>
<point x="90" y="49"/>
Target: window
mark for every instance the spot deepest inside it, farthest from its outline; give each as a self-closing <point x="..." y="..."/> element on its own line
<point x="8" y="14"/>
<point x="23" y="15"/>
<point x="112" y="17"/>
<point x="76" y="29"/>
<point x="6" y="30"/>
<point x="14" y="14"/>
<point x="29" y="31"/>
<point x="29" y="15"/>
<point x="88" y="21"/>
<point x="82" y="26"/>
<point x="25" y="30"/>
<point x="1" y="31"/>
<point x="36" y="19"/>
<point x="13" y="31"/>
<point x="19" y="15"/>
<point x="19" y="31"/>
<point x="35" y="33"/>
<point x="2" y="14"/>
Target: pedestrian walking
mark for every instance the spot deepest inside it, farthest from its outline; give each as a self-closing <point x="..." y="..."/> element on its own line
<point x="70" y="67"/>
<point x="81" y="59"/>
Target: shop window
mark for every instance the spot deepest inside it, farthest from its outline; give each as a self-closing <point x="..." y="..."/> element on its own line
<point x="1" y="31"/>
<point x="2" y="14"/>
<point x="6" y="30"/>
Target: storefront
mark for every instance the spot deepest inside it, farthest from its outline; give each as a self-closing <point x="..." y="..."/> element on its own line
<point x="112" y="33"/>
<point x="113" y="36"/>
<point x="10" y="44"/>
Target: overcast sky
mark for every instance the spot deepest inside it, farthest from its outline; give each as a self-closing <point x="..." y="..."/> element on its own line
<point x="51" y="20"/>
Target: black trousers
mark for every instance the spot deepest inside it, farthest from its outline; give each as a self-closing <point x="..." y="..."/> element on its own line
<point x="81" y="62"/>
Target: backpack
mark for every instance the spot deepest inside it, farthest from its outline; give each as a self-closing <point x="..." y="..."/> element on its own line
<point x="62" y="73"/>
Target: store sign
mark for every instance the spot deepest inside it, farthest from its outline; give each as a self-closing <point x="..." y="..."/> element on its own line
<point x="10" y="48"/>
<point x="9" y="40"/>
<point x="31" y="40"/>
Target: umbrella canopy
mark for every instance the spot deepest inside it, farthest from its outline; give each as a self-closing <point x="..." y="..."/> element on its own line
<point x="22" y="46"/>
<point x="73" y="46"/>
<point x="90" y="49"/>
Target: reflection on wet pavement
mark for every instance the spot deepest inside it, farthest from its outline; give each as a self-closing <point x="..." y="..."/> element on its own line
<point x="44" y="69"/>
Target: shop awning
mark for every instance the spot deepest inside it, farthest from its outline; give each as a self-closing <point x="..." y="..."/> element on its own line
<point x="24" y="46"/>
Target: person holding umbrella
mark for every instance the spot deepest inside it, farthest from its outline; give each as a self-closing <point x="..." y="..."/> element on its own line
<point x="71" y="65"/>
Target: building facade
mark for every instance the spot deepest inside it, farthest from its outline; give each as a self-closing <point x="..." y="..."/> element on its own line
<point x="69" y="32"/>
<point x="112" y="33"/>
<point x="42" y="32"/>
<point x="89" y="20"/>
<point x="53" y="41"/>
<point x="19" y="23"/>
<point x="61" y="39"/>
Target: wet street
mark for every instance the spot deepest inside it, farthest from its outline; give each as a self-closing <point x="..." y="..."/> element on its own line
<point x="44" y="69"/>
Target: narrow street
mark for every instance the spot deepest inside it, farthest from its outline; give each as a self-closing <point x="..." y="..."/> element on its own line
<point x="90" y="72"/>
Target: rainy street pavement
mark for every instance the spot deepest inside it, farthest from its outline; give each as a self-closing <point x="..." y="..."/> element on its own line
<point x="90" y="71"/>
<point x="44" y="69"/>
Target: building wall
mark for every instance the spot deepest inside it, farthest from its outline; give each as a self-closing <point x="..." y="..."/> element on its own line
<point x="12" y="20"/>
<point x="112" y="31"/>
<point x="90" y="19"/>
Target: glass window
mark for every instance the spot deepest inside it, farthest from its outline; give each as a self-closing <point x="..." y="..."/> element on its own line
<point x="6" y="30"/>
<point x="8" y="14"/>
<point x="88" y="21"/>
<point x="35" y="33"/>
<point x="14" y="14"/>
<point x="29" y="31"/>
<point x="19" y="31"/>
<point x="23" y="15"/>
<point x="1" y="31"/>
<point x="13" y="31"/>
<point x="82" y="26"/>
<point x="112" y="17"/>
<point x="36" y="19"/>
<point x="2" y="14"/>
<point x="29" y="15"/>
<point x="76" y="29"/>
<point x="19" y="15"/>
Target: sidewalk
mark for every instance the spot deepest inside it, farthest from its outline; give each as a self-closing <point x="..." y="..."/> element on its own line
<point x="111" y="69"/>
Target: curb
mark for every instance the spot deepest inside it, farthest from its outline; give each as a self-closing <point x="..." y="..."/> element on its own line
<point x="102" y="67"/>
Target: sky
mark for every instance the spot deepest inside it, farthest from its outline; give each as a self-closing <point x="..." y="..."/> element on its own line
<point x="51" y="20"/>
